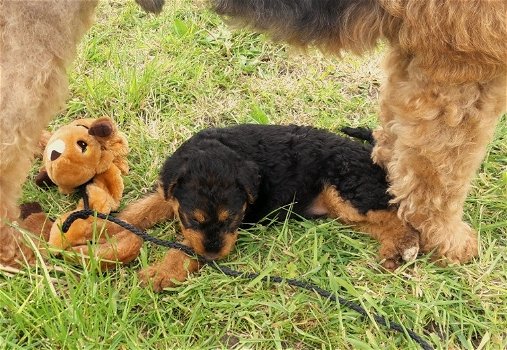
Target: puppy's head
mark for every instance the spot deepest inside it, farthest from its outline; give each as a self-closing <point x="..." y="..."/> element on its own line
<point x="211" y="187"/>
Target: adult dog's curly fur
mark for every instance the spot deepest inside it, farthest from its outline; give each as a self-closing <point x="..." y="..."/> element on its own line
<point x="38" y="41"/>
<point x="444" y="94"/>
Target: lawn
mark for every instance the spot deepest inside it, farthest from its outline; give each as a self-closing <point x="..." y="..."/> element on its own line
<point x="162" y="78"/>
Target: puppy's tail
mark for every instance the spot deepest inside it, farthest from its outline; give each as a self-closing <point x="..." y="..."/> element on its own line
<point x="364" y="134"/>
<point x="331" y="25"/>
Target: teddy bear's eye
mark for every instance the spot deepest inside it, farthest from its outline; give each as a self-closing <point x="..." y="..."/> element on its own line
<point x="83" y="145"/>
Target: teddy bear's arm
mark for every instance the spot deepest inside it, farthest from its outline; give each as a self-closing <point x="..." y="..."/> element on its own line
<point x="106" y="190"/>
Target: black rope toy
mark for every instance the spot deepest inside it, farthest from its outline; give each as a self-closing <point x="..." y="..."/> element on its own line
<point x="84" y="214"/>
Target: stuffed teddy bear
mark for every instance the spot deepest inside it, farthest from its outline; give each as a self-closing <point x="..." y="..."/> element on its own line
<point x="89" y="154"/>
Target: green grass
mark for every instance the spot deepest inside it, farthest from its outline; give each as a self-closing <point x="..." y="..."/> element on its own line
<point x="164" y="78"/>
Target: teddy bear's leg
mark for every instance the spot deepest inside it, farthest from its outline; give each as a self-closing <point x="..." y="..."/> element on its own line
<point x="123" y="247"/>
<point x="120" y="245"/>
<point x="35" y="220"/>
<point x="80" y="233"/>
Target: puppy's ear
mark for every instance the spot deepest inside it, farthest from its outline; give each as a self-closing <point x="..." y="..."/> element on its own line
<point x="169" y="186"/>
<point x="173" y="170"/>
<point x="249" y="178"/>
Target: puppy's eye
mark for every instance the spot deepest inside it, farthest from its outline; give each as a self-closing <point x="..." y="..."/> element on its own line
<point x="82" y="145"/>
<point x="189" y="221"/>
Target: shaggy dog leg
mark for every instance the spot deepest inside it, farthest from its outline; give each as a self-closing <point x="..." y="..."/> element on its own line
<point x="433" y="140"/>
<point x="37" y="42"/>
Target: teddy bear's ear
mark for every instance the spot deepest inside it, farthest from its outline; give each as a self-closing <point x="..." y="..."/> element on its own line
<point x="102" y="128"/>
<point x="114" y="144"/>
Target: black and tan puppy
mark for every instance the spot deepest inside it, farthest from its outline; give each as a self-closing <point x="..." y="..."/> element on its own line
<point x="221" y="178"/>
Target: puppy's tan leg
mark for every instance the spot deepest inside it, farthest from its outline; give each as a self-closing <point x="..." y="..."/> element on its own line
<point x="173" y="268"/>
<point x="397" y="242"/>
<point x="149" y="210"/>
<point x="439" y="131"/>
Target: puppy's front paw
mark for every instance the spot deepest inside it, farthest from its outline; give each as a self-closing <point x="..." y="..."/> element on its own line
<point x="158" y="278"/>
<point x="174" y="268"/>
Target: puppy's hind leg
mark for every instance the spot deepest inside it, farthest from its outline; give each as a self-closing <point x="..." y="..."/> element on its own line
<point x="398" y="242"/>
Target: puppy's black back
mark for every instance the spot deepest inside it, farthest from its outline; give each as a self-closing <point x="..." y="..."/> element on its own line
<point x="296" y="162"/>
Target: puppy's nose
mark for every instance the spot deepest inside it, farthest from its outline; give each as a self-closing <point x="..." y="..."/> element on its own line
<point x="213" y="247"/>
<point x="212" y="256"/>
<point x="55" y="155"/>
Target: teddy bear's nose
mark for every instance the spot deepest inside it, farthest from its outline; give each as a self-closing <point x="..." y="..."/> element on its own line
<point x="55" y="155"/>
